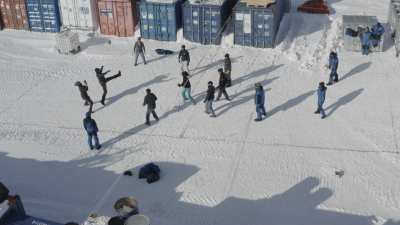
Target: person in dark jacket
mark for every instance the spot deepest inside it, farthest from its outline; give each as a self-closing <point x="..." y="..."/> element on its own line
<point x="150" y="100"/>
<point x="333" y="66"/>
<point x="228" y="70"/>
<point x="321" y="93"/>
<point x="103" y="81"/>
<point x="365" y="37"/>
<point x="139" y="49"/>
<point x="83" y="89"/>
<point x="376" y="34"/>
<point x="209" y="99"/>
<point x="184" y="59"/>
<point x="259" y="100"/>
<point x="222" y="85"/>
<point x="91" y="129"/>
<point x="186" y="88"/>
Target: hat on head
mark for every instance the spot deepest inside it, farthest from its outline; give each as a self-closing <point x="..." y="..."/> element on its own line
<point x="210" y="82"/>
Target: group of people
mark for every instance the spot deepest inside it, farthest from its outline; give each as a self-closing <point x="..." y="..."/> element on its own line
<point x="370" y="37"/>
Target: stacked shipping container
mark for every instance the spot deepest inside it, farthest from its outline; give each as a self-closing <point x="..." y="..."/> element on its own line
<point x="204" y="20"/>
<point x="117" y="17"/>
<point x="43" y="15"/>
<point x="257" y="26"/>
<point x="13" y="14"/>
<point x="80" y="14"/>
<point x="160" y="20"/>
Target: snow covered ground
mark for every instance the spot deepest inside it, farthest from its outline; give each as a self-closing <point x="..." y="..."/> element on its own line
<point x="227" y="170"/>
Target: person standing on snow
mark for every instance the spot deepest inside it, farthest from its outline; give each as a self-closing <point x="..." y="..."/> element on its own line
<point x="186" y="88"/>
<point x="209" y="99"/>
<point x="83" y="89"/>
<point x="365" y="36"/>
<point x="91" y="129"/>
<point x="222" y="85"/>
<point x="184" y="59"/>
<point x="228" y="70"/>
<point x="150" y="100"/>
<point x="259" y="100"/>
<point x="321" y="93"/>
<point x="376" y="33"/>
<point x="139" y="49"/>
<point x="333" y="66"/>
<point x="103" y="81"/>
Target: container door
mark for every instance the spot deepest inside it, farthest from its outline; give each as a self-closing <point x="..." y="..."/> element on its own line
<point x="106" y="15"/>
<point x="151" y="17"/>
<point x="207" y="18"/>
<point x="193" y="23"/>
<point x="171" y="27"/>
<point x="163" y="22"/>
<point x="144" y="22"/>
<point x="67" y="11"/>
<point x="243" y="28"/>
<point x="262" y="29"/>
<point x="7" y="8"/>
<point x="84" y="13"/>
<point x="20" y="14"/>
<point x="215" y="26"/>
<point x="34" y="15"/>
<point x="120" y="19"/>
<point x="50" y="16"/>
<point x="129" y="23"/>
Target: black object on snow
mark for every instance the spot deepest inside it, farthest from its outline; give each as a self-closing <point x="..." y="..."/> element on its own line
<point x="128" y="173"/>
<point x="339" y="173"/>
<point x="164" y="51"/>
<point x="71" y="223"/>
<point x="150" y="172"/>
<point x="352" y="33"/>
<point x="116" y="220"/>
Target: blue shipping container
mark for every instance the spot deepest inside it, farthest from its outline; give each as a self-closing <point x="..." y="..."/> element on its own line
<point x="257" y="26"/>
<point x="160" y="21"/>
<point x="204" y="21"/>
<point x="43" y="15"/>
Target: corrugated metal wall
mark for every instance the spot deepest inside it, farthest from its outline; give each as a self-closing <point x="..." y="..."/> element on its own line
<point x="117" y="17"/>
<point x="43" y="15"/>
<point x="13" y="14"/>
<point x="81" y="14"/>
<point x="160" y="21"/>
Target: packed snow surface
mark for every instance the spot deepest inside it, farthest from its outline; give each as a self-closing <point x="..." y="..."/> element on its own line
<point x="226" y="170"/>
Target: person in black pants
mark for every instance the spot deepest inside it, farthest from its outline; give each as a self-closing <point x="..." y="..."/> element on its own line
<point x="103" y="81"/>
<point x="150" y="100"/>
<point x="222" y="85"/>
<point x="83" y="89"/>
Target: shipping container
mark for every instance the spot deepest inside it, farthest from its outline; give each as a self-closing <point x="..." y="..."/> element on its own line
<point x="13" y="14"/>
<point x="43" y="15"/>
<point x="160" y="20"/>
<point x="79" y="14"/>
<point x="257" y="26"/>
<point x="394" y="24"/>
<point x="205" y="20"/>
<point x="353" y="22"/>
<point x="117" y="17"/>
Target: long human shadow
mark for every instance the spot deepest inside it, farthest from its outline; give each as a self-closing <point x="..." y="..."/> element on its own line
<point x="158" y="79"/>
<point x="358" y="69"/>
<point x="257" y="73"/>
<point x="290" y="103"/>
<point x="343" y="101"/>
<point x="213" y="65"/>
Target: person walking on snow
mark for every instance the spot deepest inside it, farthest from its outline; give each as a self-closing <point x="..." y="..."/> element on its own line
<point x="321" y="93"/>
<point x="365" y="41"/>
<point x="376" y="34"/>
<point x="91" y="129"/>
<point x="333" y="66"/>
<point x="83" y="89"/>
<point x="222" y="85"/>
<point x="184" y="59"/>
<point x="228" y="69"/>
<point x="259" y="100"/>
<point x="209" y="99"/>
<point x="139" y="49"/>
<point x="103" y="81"/>
<point x="150" y="100"/>
<point x="186" y="88"/>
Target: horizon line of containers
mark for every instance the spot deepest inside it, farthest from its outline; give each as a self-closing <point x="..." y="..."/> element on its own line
<point x="203" y="21"/>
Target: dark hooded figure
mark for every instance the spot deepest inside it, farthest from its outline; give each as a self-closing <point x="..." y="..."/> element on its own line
<point x="228" y="70"/>
<point x="90" y="126"/>
<point x="150" y="100"/>
<point x="222" y="85"/>
<point x="83" y="89"/>
<point x="333" y="66"/>
<point x="321" y="93"/>
<point x="103" y="81"/>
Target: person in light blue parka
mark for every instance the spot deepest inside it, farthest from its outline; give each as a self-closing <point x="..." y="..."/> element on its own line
<point x="333" y="66"/>
<point x="259" y="100"/>
<point x="321" y="93"/>
<point x="365" y="38"/>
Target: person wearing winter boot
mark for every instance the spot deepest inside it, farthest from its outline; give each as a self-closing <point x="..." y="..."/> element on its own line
<point x="90" y="126"/>
<point x="333" y="66"/>
<point x="150" y="100"/>
<point x="139" y="49"/>
<point x="209" y="99"/>
<point x="184" y="59"/>
<point x="365" y="41"/>
<point x="222" y="85"/>
<point x="83" y="89"/>
<point x="228" y="70"/>
<point x="376" y="34"/>
<point x="321" y="93"/>
<point x="186" y="88"/>
<point x="259" y="100"/>
<point x="103" y="81"/>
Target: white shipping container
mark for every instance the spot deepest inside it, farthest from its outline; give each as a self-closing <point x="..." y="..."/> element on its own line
<point x="79" y="14"/>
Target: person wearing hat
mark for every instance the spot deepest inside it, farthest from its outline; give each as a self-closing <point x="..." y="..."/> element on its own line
<point x="184" y="59"/>
<point x="321" y="93"/>
<point x="83" y="89"/>
<point x="139" y="49"/>
<point x="209" y="99"/>
<point x="259" y="100"/>
<point x="103" y="81"/>
<point x="186" y="88"/>
<point x="150" y="100"/>
<point x="333" y="66"/>
<point x="91" y="128"/>
<point x="222" y="85"/>
<point x="227" y="70"/>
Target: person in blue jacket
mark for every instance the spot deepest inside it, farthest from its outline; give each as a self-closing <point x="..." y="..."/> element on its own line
<point x="333" y="66"/>
<point x="376" y="34"/>
<point x="321" y="93"/>
<point x="91" y="129"/>
<point x="259" y="100"/>
<point x="365" y="37"/>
